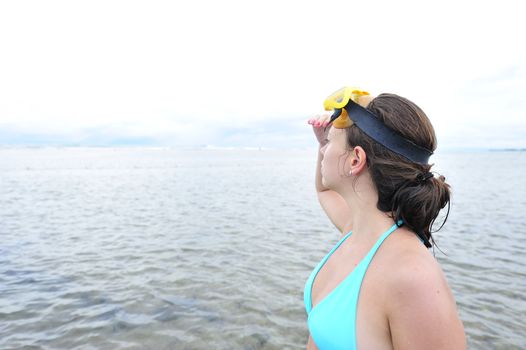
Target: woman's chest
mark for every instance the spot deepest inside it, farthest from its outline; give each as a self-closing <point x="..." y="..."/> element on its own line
<point x="343" y="272"/>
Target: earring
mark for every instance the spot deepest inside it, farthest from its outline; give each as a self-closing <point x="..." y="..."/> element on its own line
<point x="350" y="172"/>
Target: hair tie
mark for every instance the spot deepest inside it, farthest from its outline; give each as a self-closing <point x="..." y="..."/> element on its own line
<point x="421" y="178"/>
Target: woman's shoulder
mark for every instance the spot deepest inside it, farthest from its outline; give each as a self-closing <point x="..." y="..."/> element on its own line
<point x="416" y="272"/>
<point x="409" y="261"/>
<point x="406" y="267"/>
<point x="418" y="299"/>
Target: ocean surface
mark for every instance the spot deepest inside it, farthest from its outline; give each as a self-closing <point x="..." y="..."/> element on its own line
<point x="136" y="248"/>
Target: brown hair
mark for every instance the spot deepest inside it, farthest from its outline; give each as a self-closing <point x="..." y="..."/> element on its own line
<point x="396" y="178"/>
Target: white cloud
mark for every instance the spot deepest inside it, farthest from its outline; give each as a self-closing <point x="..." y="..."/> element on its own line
<point x="193" y="69"/>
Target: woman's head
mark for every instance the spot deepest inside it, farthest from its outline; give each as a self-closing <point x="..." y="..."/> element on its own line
<point x="397" y="180"/>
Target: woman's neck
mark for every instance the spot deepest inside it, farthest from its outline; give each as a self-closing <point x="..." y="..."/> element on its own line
<point x="368" y="222"/>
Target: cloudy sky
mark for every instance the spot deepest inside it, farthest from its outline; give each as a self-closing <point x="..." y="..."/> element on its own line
<point x="247" y="73"/>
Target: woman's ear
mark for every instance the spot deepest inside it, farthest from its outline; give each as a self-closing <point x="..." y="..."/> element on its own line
<point x="358" y="160"/>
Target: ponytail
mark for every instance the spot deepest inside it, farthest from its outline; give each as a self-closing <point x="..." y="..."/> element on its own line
<point x="417" y="203"/>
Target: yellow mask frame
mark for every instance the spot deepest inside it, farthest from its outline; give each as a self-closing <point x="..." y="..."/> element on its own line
<point x="338" y="100"/>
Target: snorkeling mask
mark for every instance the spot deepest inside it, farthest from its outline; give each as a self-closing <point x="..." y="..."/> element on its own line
<point x="347" y="111"/>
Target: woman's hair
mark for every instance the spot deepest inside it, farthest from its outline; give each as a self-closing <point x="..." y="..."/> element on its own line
<point x="400" y="190"/>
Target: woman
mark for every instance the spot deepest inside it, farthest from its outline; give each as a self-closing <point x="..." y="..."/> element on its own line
<point x="379" y="287"/>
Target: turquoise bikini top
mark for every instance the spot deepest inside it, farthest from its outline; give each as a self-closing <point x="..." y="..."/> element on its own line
<point x="332" y="322"/>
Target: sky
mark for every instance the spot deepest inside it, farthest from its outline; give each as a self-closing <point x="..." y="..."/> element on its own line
<point x="251" y="73"/>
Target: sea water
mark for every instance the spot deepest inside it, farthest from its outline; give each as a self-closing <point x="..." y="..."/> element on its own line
<point x="132" y="248"/>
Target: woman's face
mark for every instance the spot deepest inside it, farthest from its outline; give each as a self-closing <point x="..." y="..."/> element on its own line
<point x="334" y="154"/>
